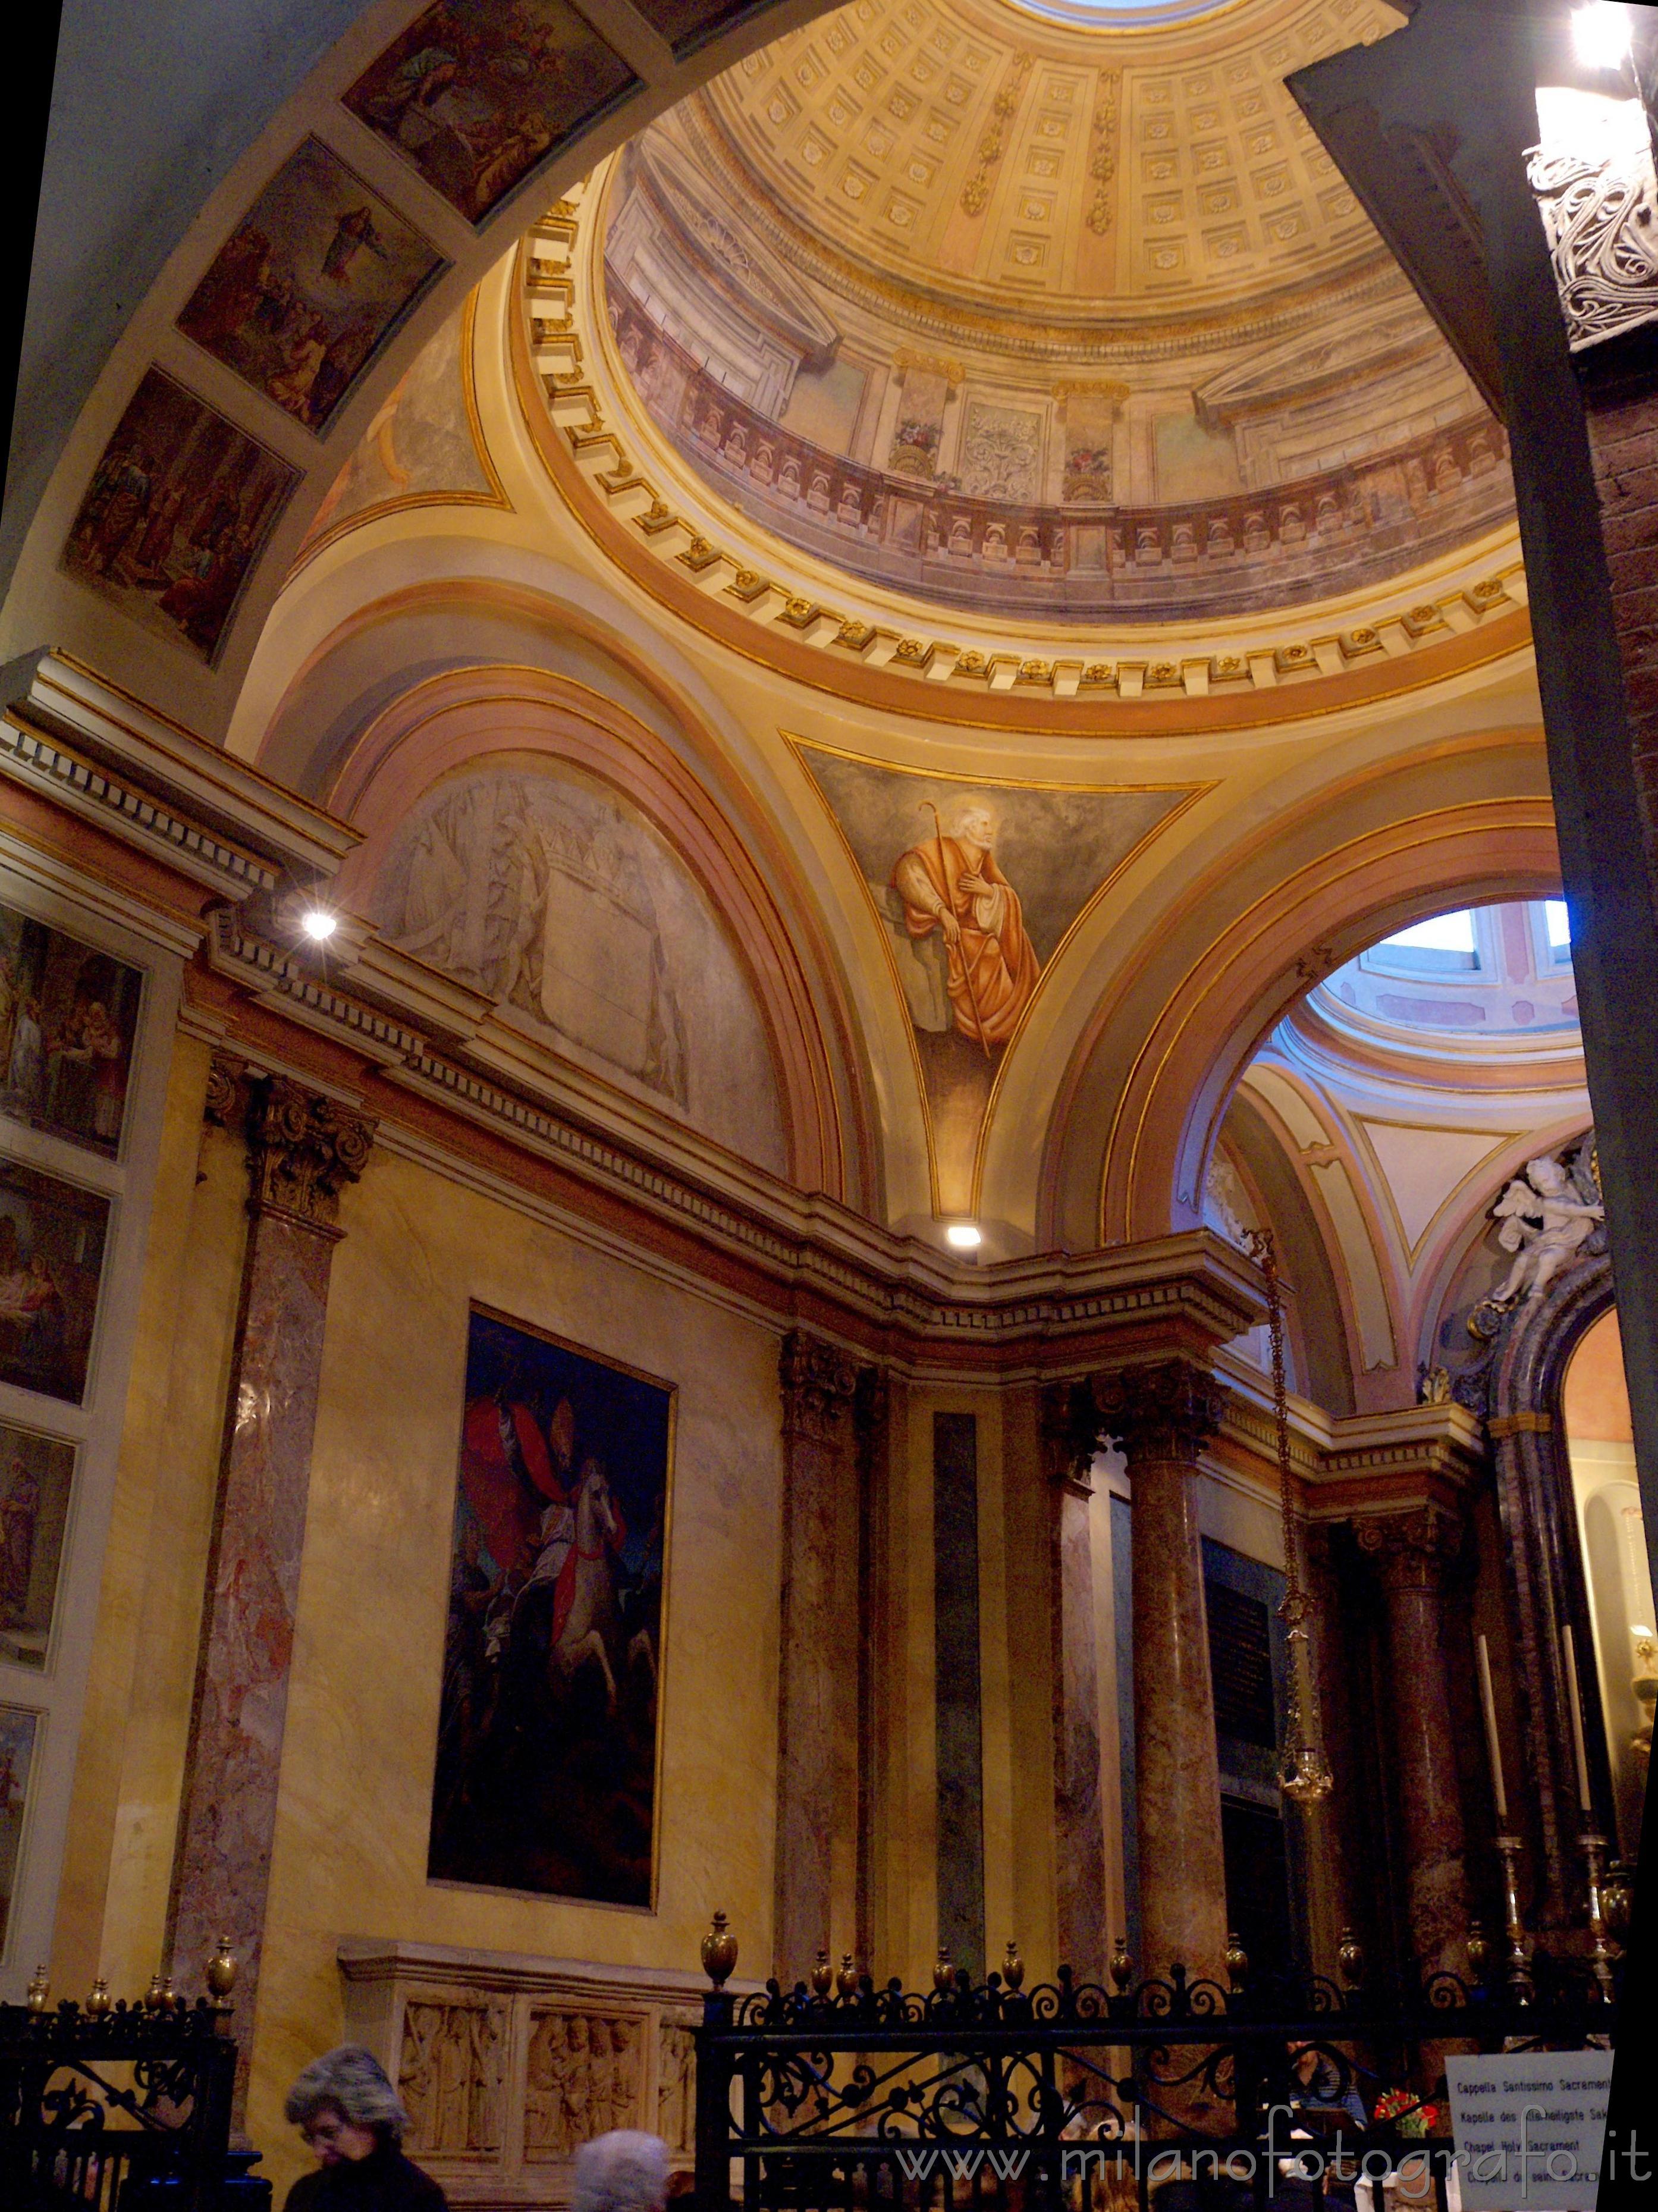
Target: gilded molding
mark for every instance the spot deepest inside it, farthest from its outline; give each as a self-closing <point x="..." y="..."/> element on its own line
<point x="131" y="813"/>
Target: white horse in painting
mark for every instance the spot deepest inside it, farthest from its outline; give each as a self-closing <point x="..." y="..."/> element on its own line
<point x="593" y="1626"/>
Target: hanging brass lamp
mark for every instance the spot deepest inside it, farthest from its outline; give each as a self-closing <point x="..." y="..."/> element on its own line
<point x="1303" y="1773"/>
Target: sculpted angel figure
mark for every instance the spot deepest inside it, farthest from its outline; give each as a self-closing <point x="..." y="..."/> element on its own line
<point x="1544" y="1224"/>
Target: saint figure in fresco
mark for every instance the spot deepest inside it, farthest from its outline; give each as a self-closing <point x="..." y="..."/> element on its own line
<point x="953" y="884"/>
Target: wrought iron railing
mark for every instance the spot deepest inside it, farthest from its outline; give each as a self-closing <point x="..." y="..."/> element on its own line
<point x="117" y="2108"/>
<point x="843" y="2093"/>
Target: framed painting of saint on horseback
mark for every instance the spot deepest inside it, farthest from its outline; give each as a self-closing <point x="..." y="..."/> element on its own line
<point x="547" y="1756"/>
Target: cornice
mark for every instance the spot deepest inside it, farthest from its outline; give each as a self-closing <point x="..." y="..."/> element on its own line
<point x="1349" y="1466"/>
<point x="385" y="1028"/>
<point x="625" y="496"/>
<point x="154" y="785"/>
<point x="1191" y="1289"/>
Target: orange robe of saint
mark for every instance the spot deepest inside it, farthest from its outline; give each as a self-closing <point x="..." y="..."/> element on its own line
<point x="992" y="973"/>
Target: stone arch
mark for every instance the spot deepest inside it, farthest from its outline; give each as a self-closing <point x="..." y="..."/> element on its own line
<point x="1150" y="1080"/>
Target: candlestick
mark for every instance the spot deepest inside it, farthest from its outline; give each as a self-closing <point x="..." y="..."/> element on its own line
<point x="1516" y="1965"/>
<point x="1493" y="1744"/>
<point x="1576" y="1699"/>
<point x="1593" y="1849"/>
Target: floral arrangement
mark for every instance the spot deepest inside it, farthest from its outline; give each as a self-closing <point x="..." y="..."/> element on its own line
<point x="1410" y="2114"/>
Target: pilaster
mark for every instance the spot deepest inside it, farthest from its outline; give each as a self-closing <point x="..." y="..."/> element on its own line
<point x="303" y="1150"/>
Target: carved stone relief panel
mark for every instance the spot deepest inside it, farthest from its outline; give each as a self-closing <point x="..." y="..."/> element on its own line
<point x="449" y="2077"/>
<point x="509" y="2064"/>
<point x="676" y="2083"/>
<point x="585" y="2075"/>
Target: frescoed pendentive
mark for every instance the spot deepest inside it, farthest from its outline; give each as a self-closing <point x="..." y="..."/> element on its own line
<point x="177" y="514"/>
<point x="68" y="1017"/>
<point x="52" y="1236"/>
<point x="310" y="284"/>
<point x="424" y="444"/>
<point x="36" y="1476"/>
<point x="546" y="1761"/>
<point x="475" y="95"/>
<point x="976" y="886"/>
<point x="18" y="1730"/>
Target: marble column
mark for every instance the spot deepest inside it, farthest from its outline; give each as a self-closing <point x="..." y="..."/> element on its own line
<point x="1410" y="1553"/>
<point x="1161" y="1414"/>
<point x="1068" y="1441"/>
<point x="302" y="1150"/>
<point x="819" y="1382"/>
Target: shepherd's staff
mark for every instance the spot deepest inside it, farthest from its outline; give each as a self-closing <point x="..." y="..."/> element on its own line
<point x="967" y="965"/>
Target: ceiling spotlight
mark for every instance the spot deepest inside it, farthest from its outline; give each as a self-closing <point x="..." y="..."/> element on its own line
<point x="964" y="1236"/>
<point x="1600" y="35"/>
<point x="319" y="924"/>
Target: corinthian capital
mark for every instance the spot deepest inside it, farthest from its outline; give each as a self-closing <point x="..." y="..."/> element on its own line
<point x="1411" y="1551"/>
<point x="303" y="1150"/>
<point x="1164" y="1409"/>
<point x="819" y="1383"/>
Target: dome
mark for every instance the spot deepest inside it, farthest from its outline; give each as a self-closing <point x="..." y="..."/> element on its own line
<point x="1062" y="314"/>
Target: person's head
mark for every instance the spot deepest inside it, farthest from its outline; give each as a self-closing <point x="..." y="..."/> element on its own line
<point x="976" y="826"/>
<point x="624" y="2171"/>
<point x="345" y="2107"/>
<point x="1546" y="1174"/>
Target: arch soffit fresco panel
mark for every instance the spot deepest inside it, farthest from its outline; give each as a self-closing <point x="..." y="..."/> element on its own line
<point x="1148" y="1081"/>
<point x="466" y="719"/>
<point x="41" y="603"/>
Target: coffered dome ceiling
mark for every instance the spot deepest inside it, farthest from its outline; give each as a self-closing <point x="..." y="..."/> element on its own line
<point x="1073" y="319"/>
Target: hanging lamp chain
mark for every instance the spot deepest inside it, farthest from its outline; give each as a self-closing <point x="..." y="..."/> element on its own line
<point x="1303" y="1773"/>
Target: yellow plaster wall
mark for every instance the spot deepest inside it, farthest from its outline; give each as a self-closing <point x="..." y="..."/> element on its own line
<point x="349" y="1856"/>
<point x="112" y="1901"/>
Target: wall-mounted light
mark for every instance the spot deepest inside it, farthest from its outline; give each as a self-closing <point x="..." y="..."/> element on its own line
<point x="1600" y="35"/>
<point x="319" y="924"/>
<point x="964" y="1236"/>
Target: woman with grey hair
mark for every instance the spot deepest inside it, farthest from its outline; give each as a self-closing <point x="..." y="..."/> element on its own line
<point x="354" y="2120"/>
<point x="625" y="2171"/>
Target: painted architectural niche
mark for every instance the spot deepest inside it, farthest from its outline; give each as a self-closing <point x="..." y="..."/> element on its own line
<point x="976" y="887"/>
<point x="547" y="890"/>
